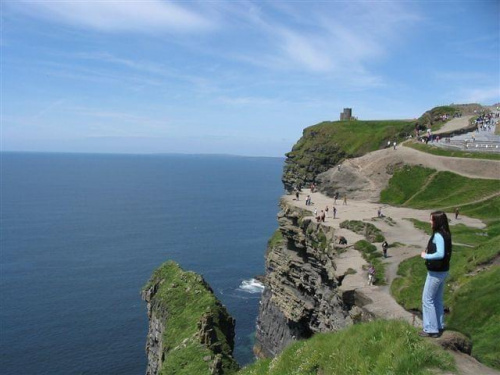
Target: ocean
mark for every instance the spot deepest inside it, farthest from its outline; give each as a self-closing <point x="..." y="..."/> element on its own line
<point x="81" y="234"/>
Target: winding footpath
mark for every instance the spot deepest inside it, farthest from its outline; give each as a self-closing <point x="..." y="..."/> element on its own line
<point x="395" y="226"/>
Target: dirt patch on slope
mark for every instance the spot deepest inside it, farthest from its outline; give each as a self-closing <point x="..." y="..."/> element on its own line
<point x="365" y="177"/>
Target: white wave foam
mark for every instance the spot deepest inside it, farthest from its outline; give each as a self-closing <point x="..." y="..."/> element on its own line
<point x="251" y="286"/>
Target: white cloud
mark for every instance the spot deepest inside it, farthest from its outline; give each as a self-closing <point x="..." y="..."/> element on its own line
<point x="118" y="16"/>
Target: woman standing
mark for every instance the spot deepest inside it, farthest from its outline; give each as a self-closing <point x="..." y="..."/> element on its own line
<point x="437" y="259"/>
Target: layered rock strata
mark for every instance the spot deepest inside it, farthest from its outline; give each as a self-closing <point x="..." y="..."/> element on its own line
<point x="190" y="331"/>
<point x="301" y="295"/>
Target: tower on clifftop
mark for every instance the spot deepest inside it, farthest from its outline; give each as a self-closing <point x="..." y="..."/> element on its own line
<point x="346" y="115"/>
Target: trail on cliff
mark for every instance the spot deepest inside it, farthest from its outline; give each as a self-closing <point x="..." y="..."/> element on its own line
<point x="396" y="228"/>
<point x="365" y="177"/>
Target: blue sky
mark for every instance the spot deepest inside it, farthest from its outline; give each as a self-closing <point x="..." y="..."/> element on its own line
<point x="236" y="77"/>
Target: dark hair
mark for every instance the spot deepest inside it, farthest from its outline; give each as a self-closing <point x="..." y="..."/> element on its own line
<point x="440" y="222"/>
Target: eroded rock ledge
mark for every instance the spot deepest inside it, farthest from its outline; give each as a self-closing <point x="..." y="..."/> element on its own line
<point x="302" y="295"/>
<point x="190" y="331"/>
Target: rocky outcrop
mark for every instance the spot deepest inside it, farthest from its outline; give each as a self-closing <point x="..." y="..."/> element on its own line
<point x="313" y="154"/>
<point x="190" y="331"/>
<point x="301" y="295"/>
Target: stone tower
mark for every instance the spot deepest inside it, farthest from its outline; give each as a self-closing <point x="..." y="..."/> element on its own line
<point x="346" y="115"/>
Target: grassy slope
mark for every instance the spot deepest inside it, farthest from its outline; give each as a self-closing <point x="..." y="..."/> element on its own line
<point x="186" y="299"/>
<point x="443" y="190"/>
<point x="380" y="347"/>
<point x="423" y="188"/>
<point x="353" y="137"/>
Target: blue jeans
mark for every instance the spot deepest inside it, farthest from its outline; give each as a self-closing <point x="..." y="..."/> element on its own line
<point x="432" y="302"/>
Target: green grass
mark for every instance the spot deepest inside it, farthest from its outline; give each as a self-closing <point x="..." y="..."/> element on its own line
<point x="376" y="348"/>
<point x="463" y="286"/>
<point x="326" y="144"/>
<point x="471" y="291"/>
<point x="181" y="300"/>
<point x="482" y="322"/>
<point x="370" y="231"/>
<point x="276" y="239"/>
<point x="450" y="153"/>
<point x="405" y="183"/>
<point x="442" y="190"/>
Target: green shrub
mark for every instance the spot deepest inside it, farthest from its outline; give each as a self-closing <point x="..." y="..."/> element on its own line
<point x="370" y="231"/>
<point x="370" y="254"/>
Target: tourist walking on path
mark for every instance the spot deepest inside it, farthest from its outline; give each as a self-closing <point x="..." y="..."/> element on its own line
<point x="334" y="212"/>
<point x="457" y="211"/>
<point x="385" y="245"/>
<point x="345" y="200"/>
<point x="437" y="260"/>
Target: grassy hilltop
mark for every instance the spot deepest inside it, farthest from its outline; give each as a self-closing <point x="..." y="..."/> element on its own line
<point x="326" y="144"/>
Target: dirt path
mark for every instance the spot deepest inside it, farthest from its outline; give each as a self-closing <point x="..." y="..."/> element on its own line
<point x="362" y="179"/>
<point x="454" y="124"/>
<point x="396" y="228"/>
<point x="365" y="177"/>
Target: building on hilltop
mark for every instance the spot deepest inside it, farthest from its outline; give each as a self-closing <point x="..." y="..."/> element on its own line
<point x="346" y="114"/>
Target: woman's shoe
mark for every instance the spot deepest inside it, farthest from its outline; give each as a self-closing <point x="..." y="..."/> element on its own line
<point x="427" y="334"/>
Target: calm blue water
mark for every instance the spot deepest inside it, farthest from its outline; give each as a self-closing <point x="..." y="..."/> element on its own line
<point x="81" y="234"/>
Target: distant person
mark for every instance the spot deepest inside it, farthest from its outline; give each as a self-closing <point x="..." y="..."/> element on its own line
<point x="388" y="144"/>
<point x="326" y="210"/>
<point x="315" y="212"/>
<point x="379" y="212"/>
<point x="457" y="211"/>
<point x="334" y="212"/>
<point x="371" y="274"/>
<point x="336" y="196"/>
<point x="345" y="200"/>
<point x="323" y="216"/>
<point x="385" y="245"/>
<point x="394" y="144"/>
<point x="437" y="259"/>
<point x="297" y="195"/>
<point x="342" y="240"/>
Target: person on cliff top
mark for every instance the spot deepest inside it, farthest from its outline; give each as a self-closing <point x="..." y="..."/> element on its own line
<point x="345" y="200"/>
<point x="326" y="210"/>
<point x="334" y="212"/>
<point x="457" y="211"/>
<point x="437" y="260"/>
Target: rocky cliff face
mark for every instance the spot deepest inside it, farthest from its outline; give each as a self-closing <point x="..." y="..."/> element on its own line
<point x="301" y="295"/>
<point x="313" y="154"/>
<point x="190" y="332"/>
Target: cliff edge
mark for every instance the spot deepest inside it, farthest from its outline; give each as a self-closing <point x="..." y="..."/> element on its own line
<point x="190" y="331"/>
